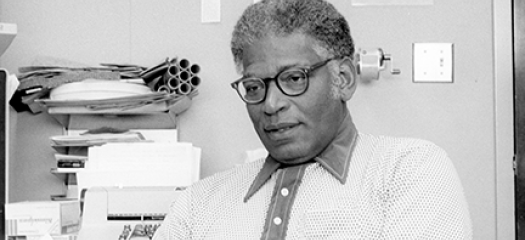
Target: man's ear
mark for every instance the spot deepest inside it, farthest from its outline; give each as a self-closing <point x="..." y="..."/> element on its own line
<point x="347" y="78"/>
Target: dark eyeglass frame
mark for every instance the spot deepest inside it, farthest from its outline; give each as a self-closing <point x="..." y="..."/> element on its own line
<point x="306" y="70"/>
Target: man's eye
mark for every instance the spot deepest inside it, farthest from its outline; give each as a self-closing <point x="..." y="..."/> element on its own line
<point x="293" y="77"/>
<point x="252" y="88"/>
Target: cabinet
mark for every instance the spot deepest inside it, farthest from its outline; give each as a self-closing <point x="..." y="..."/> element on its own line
<point x="8" y="32"/>
<point x="74" y="122"/>
<point x="3" y="152"/>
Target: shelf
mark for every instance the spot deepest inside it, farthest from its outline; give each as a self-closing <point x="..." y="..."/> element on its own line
<point x="88" y="119"/>
<point x="67" y="175"/>
<point x="75" y="118"/>
<point x="60" y="171"/>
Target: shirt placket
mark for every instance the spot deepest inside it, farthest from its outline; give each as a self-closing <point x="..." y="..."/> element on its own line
<point x="284" y="192"/>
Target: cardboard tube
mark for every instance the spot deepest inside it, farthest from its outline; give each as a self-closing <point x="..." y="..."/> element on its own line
<point x="172" y="70"/>
<point x="195" y="81"/>
<point x="184" y="64"/>
<point x="195" y="69"/>
<point x="184" y="76"/>
<point x="163" y="88"/>
<point x="184" y="88"/>
<point x="173" y="83"/>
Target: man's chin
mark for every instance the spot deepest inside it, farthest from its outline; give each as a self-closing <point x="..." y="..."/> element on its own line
<point x="288" y="155"/>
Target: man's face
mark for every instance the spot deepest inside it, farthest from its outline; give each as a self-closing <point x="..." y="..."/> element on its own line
<point x="293" y="129"/>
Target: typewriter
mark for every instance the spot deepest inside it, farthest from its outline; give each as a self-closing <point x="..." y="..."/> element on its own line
<point x="122" y="213"/>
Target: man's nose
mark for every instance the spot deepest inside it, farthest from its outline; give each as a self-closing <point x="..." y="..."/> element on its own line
<point x="275" y="100"/>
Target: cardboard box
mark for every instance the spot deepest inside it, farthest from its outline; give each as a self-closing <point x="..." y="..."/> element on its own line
<point x="42" y="218"/>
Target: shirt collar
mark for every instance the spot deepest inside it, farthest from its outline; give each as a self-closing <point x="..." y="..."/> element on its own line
<point x="335" y="158"/>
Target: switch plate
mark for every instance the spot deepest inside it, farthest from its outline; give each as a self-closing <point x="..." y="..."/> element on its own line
<point x="433" y="62"/>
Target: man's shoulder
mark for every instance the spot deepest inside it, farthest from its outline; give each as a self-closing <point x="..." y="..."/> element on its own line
<point x="397" y="151"/>
<point x="398" y="144"/>
<point x="405" y="160"/>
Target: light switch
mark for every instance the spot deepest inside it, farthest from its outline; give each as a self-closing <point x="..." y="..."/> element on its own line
<point x="433" y="62"/>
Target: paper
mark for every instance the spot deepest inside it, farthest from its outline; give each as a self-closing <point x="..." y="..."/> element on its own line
<point x="96" y="139"/>
<point x="155" y="135"/>
<point x="141" y="156"/>
<point x="12" y="85"/>
<point x="154" y="102"/>
<point x="196" y="164"/>
<point x="141" y="164"/>
<point x="391" y="2"/>
<point x="210" y="11"/>
<point x="8" y="32"/>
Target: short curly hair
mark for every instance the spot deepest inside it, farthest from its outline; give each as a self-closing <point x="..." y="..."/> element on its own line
<point x="315" y="18"/>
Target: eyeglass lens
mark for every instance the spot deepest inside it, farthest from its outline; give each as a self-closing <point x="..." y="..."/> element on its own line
<point x="291" y="82"/>
<point x="252" y="89"/>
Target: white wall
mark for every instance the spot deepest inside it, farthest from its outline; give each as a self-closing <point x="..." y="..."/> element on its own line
<point x="459" y="117"/>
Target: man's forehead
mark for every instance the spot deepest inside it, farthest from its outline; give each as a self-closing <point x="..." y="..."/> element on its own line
<point x="272" y="54"/>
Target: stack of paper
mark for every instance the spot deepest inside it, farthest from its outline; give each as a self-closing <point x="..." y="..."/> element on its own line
<point x="111" y="157"/>
<point x="97" y="139"/>
<point x="72" y="149"/>
<point x="141" y="164"/>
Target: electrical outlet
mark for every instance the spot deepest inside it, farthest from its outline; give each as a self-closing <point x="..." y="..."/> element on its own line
<point x="433" y="62"/>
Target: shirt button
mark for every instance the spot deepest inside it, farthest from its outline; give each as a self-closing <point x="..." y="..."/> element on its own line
<point x="285" y="192"/>
<point x="277" y="221"/>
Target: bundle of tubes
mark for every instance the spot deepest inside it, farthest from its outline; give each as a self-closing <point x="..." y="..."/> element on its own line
<point x="180" y="78"/>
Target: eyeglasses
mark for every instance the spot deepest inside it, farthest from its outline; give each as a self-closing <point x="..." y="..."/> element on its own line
<point x="291" y="81"/>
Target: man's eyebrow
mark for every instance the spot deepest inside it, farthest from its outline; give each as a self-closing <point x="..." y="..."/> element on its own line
<point x="279" y="70"/>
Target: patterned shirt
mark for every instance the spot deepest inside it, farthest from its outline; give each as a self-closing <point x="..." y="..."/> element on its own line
<point x="360" y="187"/>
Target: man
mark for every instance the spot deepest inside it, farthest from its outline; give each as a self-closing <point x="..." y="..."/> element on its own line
<point x="322" y="178"/>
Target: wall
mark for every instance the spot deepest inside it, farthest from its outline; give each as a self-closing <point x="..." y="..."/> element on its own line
<point x="460" y="117"/>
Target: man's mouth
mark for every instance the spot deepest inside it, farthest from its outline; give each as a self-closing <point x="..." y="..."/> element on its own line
<point x="280" y="127"/>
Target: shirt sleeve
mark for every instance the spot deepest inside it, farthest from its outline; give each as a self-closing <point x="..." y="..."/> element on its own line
<point x="175" y="224"/>
<point x="424" y="198"/>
